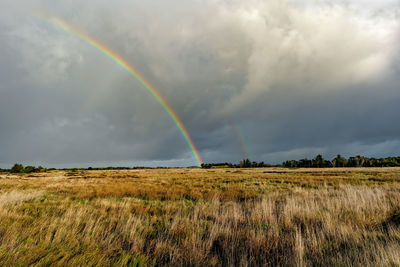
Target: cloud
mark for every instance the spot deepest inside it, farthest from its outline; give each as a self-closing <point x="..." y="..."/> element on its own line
<point x="296" y="77"/>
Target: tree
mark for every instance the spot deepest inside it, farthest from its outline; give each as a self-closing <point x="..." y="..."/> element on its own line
<point x="305" y="163"/>
<point x="318" y="162"/>
<point x="291" y="164"/>
<point x="339" y="161"/>
<point x="29" y="169"/>
<point x="205" y="166"/>
<point x="246" y="163"/>
<point x="17" y="168"/>
<point x="356" y="161"/>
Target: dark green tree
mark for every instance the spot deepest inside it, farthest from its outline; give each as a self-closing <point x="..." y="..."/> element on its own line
<point x="28" y="169"/>
<point x="305" y="163"/>
<point x="318" y="162"/>
<point x="17" y="168"/>
<point x="339" y="161"/>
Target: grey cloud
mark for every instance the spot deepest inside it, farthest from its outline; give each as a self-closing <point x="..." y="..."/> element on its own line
<point x="295" y="79"/>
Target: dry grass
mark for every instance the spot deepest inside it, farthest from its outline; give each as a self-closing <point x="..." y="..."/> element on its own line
<point x="194" y="217"/>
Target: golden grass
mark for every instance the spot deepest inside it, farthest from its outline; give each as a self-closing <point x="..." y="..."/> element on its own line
<point x="195" y="217"/>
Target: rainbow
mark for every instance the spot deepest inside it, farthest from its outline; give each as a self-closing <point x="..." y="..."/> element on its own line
<point x="124" y="64"/>
<point x="239" y="137"/>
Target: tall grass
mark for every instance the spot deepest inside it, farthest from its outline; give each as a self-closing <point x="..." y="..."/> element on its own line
<point x="202" y="218"/>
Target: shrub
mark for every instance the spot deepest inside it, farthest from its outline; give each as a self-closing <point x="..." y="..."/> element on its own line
<point x="29" y="169"/>
<point x="17" y="168"/>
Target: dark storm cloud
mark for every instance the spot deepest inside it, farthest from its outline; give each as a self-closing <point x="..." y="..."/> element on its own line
<point x="289" y="79"/>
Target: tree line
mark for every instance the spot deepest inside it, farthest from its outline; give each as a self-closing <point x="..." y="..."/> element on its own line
<point x="317" y="162"/>
<point x="245" y="163"/>
<point x="339" y="161"/>
<point x="19" y="168"/>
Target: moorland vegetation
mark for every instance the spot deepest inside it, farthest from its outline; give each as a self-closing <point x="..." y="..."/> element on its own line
<point x="201" y="217"/>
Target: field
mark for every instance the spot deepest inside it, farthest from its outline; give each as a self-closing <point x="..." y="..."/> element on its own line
<point x="201" y="217"/>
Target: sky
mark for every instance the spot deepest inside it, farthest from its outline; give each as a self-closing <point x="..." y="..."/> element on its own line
<point x="269" y="80"/>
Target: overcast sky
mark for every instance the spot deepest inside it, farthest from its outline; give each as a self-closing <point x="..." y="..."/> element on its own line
<point x="272" y="80"/>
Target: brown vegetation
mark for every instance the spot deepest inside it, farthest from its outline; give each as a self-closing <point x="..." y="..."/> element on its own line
<point x="200" y="217"/>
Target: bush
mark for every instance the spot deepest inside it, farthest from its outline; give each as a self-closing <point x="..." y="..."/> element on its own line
<point x="29" y="169"/>
<point x="17" y="168"/>
<point x="206" y="166"/>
